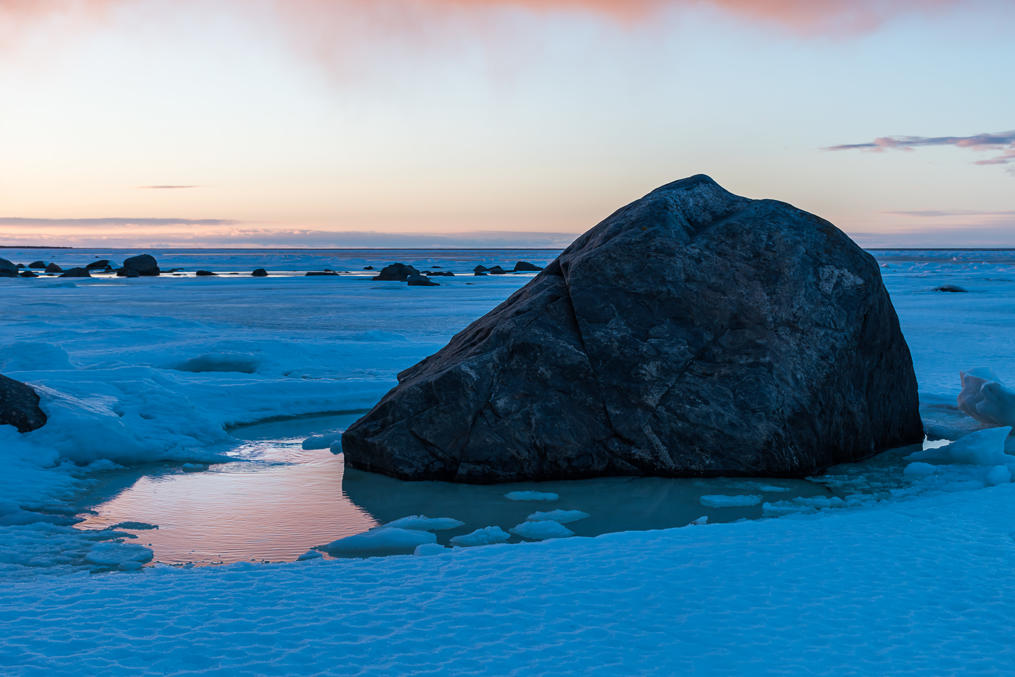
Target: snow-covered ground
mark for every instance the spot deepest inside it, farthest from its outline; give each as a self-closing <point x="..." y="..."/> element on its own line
<point x="906" y="571"/>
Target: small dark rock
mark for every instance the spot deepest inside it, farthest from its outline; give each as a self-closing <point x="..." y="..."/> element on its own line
<point x="20" y="266"/>
<point x="53" y="268"/>
<point x="260" y="272"/>
<point x="368" y="267"/>
<point x="205" y="273"/>
<point x="526" y="267"/>
<point x="418" y="280"/>
<point x="480" y="269"/>
<point x="479" y="273"/>
<point x="8" y="269"/>
<point x="953" y="288"/>
<point x="396" y="272"/>
<point x="101" y="264"/>
<point x="143" y="265"/>
<point x="75" y="272"/>
<point x="496" y="270"/>
<point x="19" y="406"/>
<point x="320" y="273"/>
<point x="439" y="273"/>
<point x="28" y="273"/>
<point x="41" y="265"/>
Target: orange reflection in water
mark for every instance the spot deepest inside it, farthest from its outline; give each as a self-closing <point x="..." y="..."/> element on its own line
<point x="274" y="508"/>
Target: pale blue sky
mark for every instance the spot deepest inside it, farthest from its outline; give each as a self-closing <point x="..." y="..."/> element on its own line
<point x="294" y="120"/>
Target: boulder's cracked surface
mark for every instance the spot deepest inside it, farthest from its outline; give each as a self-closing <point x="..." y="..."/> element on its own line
<point x="691" y="333"/>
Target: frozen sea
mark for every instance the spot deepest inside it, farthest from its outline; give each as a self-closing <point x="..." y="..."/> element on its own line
<point x="206" y="406"/>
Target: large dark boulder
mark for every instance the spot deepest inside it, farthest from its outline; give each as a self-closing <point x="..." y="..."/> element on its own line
<point x="101" y="264"/>
<point x="396" y="272"/>
<point x="19" y="406"/>
<point x="417" y="280"/>
<point x="53" y="268"/>
<point x="526" y="267"/>
<point x="692" y="333"/>
<point x="76" y="272"/>
<point x="39" y="265"/>
<point x="142" y="265"/>
<point x="8" y="269"/>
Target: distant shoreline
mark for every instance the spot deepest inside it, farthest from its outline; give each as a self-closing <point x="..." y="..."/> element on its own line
<point x="438" y="249"/>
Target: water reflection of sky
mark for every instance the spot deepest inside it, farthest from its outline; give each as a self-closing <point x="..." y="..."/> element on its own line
<point x="282" y="500"/>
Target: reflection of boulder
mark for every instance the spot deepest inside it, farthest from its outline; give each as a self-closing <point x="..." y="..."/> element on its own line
<point x="613" y="503"/>
<point x="692" y="333"/>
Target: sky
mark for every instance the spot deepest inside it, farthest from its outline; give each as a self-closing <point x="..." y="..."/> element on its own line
<point x="316" y="123"/>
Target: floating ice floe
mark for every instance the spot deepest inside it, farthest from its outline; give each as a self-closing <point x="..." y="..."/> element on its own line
<point x="725" y="501"/>
<point x="381" y="541"/>
<point x="424" y="523"/>
<point x="325" y="441"/>
<point x="541" y="531"/>
<point x="984" y="447"/>
<point x="531" y="496"/>
<point x="985" y="398"/>
<point x="699" y="520"/>
<point x="562" y="516"/>
<point x="483" y="536"/>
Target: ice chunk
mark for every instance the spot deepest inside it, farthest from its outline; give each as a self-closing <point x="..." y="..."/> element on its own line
<point x="424" y="523"/>
<point x="380" y="541"/>
<point x="984" y="398"/>
<point x="429" y="549"/>
<point x="724" y="501"/>
<point x="701" y="520"/>
<point x="541" y="531"/>
<point x="484" y="536"/>
<point x="984" y="447"/>
<point x="531" y="496"/>
<point x="135" y="526"/>
<point x="309" y="554"/>
<point x="562" y="516"/>
<point x="325" y="441"/>
<point x="111" y="554"/>
<point x="999" y="474"/>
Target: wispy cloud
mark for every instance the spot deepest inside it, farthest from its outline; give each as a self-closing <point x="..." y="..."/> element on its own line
<point x="1002" y="143"/>
<point x="165" y="187"/>
<point x="936" y="213"/>
<point x="111" y="222"/>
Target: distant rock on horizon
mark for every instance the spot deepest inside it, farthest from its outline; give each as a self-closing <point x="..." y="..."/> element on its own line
<point x="691" y="333"/>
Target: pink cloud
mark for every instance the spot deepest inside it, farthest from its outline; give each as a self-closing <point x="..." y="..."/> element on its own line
<point x="1002" y="142"/>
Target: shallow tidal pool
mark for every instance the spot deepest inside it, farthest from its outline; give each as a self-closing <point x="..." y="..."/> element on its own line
<point x="277" y="500"/>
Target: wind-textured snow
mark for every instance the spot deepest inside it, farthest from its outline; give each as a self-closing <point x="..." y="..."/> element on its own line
<point x="917" y="587"/>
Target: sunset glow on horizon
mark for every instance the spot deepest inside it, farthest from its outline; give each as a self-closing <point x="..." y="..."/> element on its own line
<point x="496" y="123"/>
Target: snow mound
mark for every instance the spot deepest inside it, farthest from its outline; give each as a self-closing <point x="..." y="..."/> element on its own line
<point x="984" y="447"/>
<point x="919" y="469"/>
<point x="985" y="398"/>
<point x="381" y="541"/>
<point x="325" y="441"/>
<point x="483" y="536"/>
<point x="429" y="549"/>
<point x="541" y="531"/>
<point x="124" y="556"/>
<point x="725" y="501"/>
<point x="424" y="523"/>
<point x="562" y="516"/>
<point x="33" y="356"/>
<point x="531" y="496"/>
<point x="999" y="474"/>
